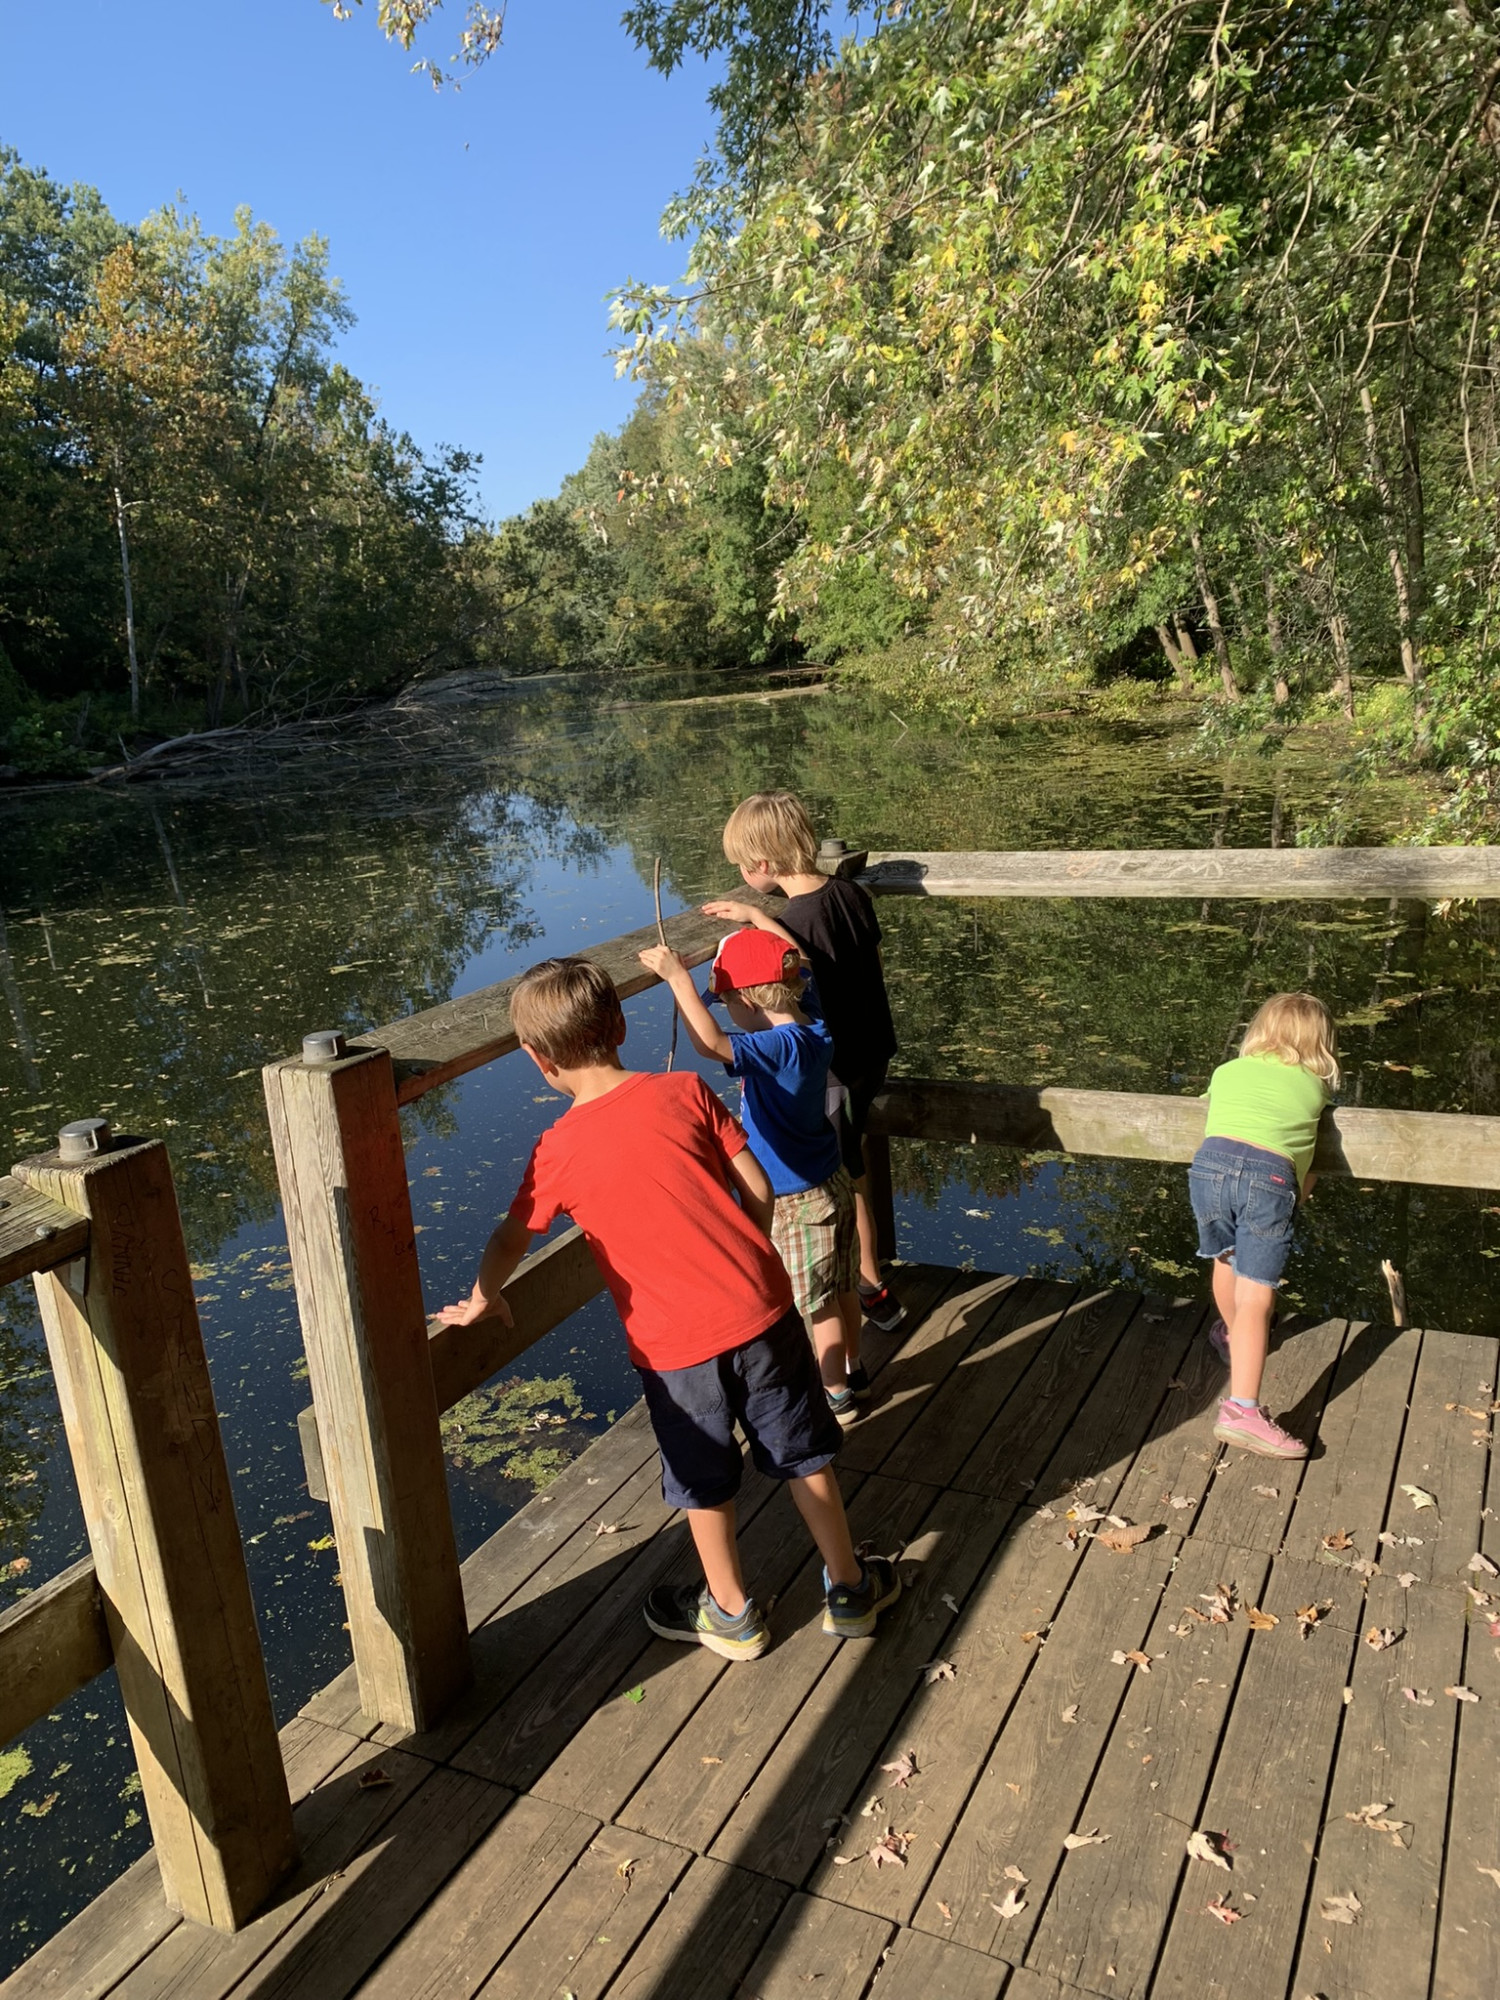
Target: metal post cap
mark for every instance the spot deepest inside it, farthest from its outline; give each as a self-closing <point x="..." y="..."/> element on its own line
<point x="324" y="1047"/>
<point x="84" y="1138"/>
<point x="831" y="846"/>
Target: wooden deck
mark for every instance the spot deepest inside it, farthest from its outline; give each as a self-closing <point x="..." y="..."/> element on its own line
<point x="607" y="1814"/>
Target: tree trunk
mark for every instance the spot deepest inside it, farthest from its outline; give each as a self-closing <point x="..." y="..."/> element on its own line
<point x="1274" y="641"/>
<point x="1176" y="659"/>
<point x="1343" y="677"/>
<point x="1411" y="659"/>
<point x="1215" y="623"/>
<point x="1187" y="645"/>
<point x="135" y="665"/>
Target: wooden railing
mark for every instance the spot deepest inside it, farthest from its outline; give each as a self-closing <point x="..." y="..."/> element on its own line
<point x="380" y="1379"/>
<point x="165" y="1597"/>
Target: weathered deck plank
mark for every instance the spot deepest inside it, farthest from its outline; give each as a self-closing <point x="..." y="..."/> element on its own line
<point x="551" y="1835"/>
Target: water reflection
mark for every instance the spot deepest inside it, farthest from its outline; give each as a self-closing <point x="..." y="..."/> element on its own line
<point x="157" y="946"/>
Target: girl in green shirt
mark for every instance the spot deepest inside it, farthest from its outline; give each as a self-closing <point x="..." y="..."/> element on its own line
<point x="1245" y="1182"/>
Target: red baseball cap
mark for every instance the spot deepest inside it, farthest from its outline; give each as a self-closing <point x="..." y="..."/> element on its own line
<point x="753" y="958"/>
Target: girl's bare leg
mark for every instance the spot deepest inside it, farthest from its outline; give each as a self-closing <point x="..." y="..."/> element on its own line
<point x="1223" y="1272"/>
<point x="713" y="1532"/>
<point x="821" y="1506"/>
<point x="1249" y="1337"/>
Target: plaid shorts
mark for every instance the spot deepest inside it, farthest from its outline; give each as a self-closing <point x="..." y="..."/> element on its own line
<point x="819" y="1244"/>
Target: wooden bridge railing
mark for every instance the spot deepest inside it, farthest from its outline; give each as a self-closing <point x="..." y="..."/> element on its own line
<point x="380" y="1380"/>
<point x="165" y="1597"/>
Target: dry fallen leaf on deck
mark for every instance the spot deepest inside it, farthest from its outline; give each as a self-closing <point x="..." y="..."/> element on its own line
<point x="710" y="1760"/>
<point x="627" y="1869"/>
<point x="890" y="1850"/>
<point x="1181" y="1500"/>
<point x="872" y="1806"/>
<point x="1481" y="1565"/>
<point x="947" y="1912"/>
<point x="940" y="1670"/>
<point x="1123" y="1540"/>
<point x="1372" y="1817"/>
<point x="1380" y="1636"/>
<point x="372" y="1779"/>
<point x="1493" y="1873"/>
<point x="1309" y="1614"/>
<point x="1461" y="1693"/>
<point x="1407" y="1578"/>
<point x="904" y="1769"/>
<point x="606" y="1528"/>
<point x="1082" y="1513"/>
<point x="1419" y="1497"/>
<point x="1339" y="1540"/>
<point x="1013" y="1874"/>
<point x="1341" y="1909"/>
<point x="1046" y="1514"/>
<point x="1220" y="1604"/>
<point x="1203" y="1846"/>
<point x="1260" y="1621"/>
<point x="1225" y="1912"/>
<point x="1362" y="1568"/>
<point x="1419" y="1695"/>
<point x="1134" y="1658"/>
<point x="1070" y="1713"/>
<point x="1013" y="1905"/>
<point x="951" y="1601"/>
<point x="1092" y="1839"/>
<point x="1267" y="1492"/>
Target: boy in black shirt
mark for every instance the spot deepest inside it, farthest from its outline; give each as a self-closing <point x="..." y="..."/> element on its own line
<point x="771" y="841"/>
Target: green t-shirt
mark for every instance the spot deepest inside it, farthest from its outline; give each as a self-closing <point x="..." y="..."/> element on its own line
<point x="1267" y="1102"/>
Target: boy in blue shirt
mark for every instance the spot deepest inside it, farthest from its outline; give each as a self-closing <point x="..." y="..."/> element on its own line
<point x="781" y="1050"/>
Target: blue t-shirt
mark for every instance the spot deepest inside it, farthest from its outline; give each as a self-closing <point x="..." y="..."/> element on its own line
<point x="785" y="1074"/>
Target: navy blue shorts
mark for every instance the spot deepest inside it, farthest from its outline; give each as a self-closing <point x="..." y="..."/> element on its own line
<point x="770" y="1387"/>
<point x="1244" y="1199"/>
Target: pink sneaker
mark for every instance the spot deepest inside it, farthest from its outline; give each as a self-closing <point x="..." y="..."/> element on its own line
<point x="1218" y="1340"/>
<point x="1253" y="1430"/>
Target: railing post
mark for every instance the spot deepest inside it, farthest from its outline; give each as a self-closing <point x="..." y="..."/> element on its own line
<point x="138" y="1407"/>
<point x="342" y="1167"/>
<point x="878" y="1192"/>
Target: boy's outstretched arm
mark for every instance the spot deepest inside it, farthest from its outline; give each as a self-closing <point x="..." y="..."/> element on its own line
<point x="704" y="1032"/>
<point x="756" y="1196"/>
<point x="746" y="913"/>
<point x="508" y="1244"/>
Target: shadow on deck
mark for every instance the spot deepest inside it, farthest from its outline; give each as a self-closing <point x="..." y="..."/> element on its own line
<point x="610" y="1815"/>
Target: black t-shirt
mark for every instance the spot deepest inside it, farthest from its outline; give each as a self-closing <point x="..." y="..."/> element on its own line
<point x="837" y="928"/>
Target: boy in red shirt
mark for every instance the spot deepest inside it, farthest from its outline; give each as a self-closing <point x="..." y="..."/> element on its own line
<point x="648" y="1167"/>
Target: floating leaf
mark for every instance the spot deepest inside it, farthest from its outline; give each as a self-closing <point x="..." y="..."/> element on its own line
<point x="1419" y="1498"/>
<point x="1341" y="1909"/>
<point x="1203" y="1846"/>
<point x="1013" y="1905"/>
<point x="1123" y="1540"/>
<point x="1094" y="1838"/>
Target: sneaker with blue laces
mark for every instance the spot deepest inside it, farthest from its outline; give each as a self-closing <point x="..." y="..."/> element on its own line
<point x="687" y="1611"/>
<point x="850" y="1609"/>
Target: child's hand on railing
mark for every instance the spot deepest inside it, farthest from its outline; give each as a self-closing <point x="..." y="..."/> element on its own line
<point x="476" y="1307"/>
<point x="734" y="913"/>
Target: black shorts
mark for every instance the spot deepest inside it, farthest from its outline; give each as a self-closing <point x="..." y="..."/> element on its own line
<point x="858" y="1097"/>
<point x="770" y="1387"/>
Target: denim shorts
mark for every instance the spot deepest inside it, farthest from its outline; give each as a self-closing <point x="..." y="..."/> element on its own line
<point x="770" y="1387"/>
<point x="1244" y="1200"/>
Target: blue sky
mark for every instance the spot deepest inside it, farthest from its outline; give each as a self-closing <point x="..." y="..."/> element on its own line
<point x="476" y="233"/>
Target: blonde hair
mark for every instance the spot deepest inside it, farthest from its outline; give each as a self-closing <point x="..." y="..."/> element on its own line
<point x="772" y="827"/>
<point x="1296" y="1028"/>
<point x="778" y="993"/>
<point x="567" y="1009"/>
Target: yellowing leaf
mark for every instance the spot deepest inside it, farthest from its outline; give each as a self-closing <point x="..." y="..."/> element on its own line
<point x="1419" y="1498"/>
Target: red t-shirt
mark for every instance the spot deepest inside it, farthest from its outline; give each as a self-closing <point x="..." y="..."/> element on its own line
<point x="643" y="1171"/>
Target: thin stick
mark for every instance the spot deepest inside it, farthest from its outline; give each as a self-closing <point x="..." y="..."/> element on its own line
<point x="1396" y="1286"/>
<point x="661" y="938"/>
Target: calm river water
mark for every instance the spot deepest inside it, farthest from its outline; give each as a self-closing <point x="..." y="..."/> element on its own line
<point x="159" y="944"/>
